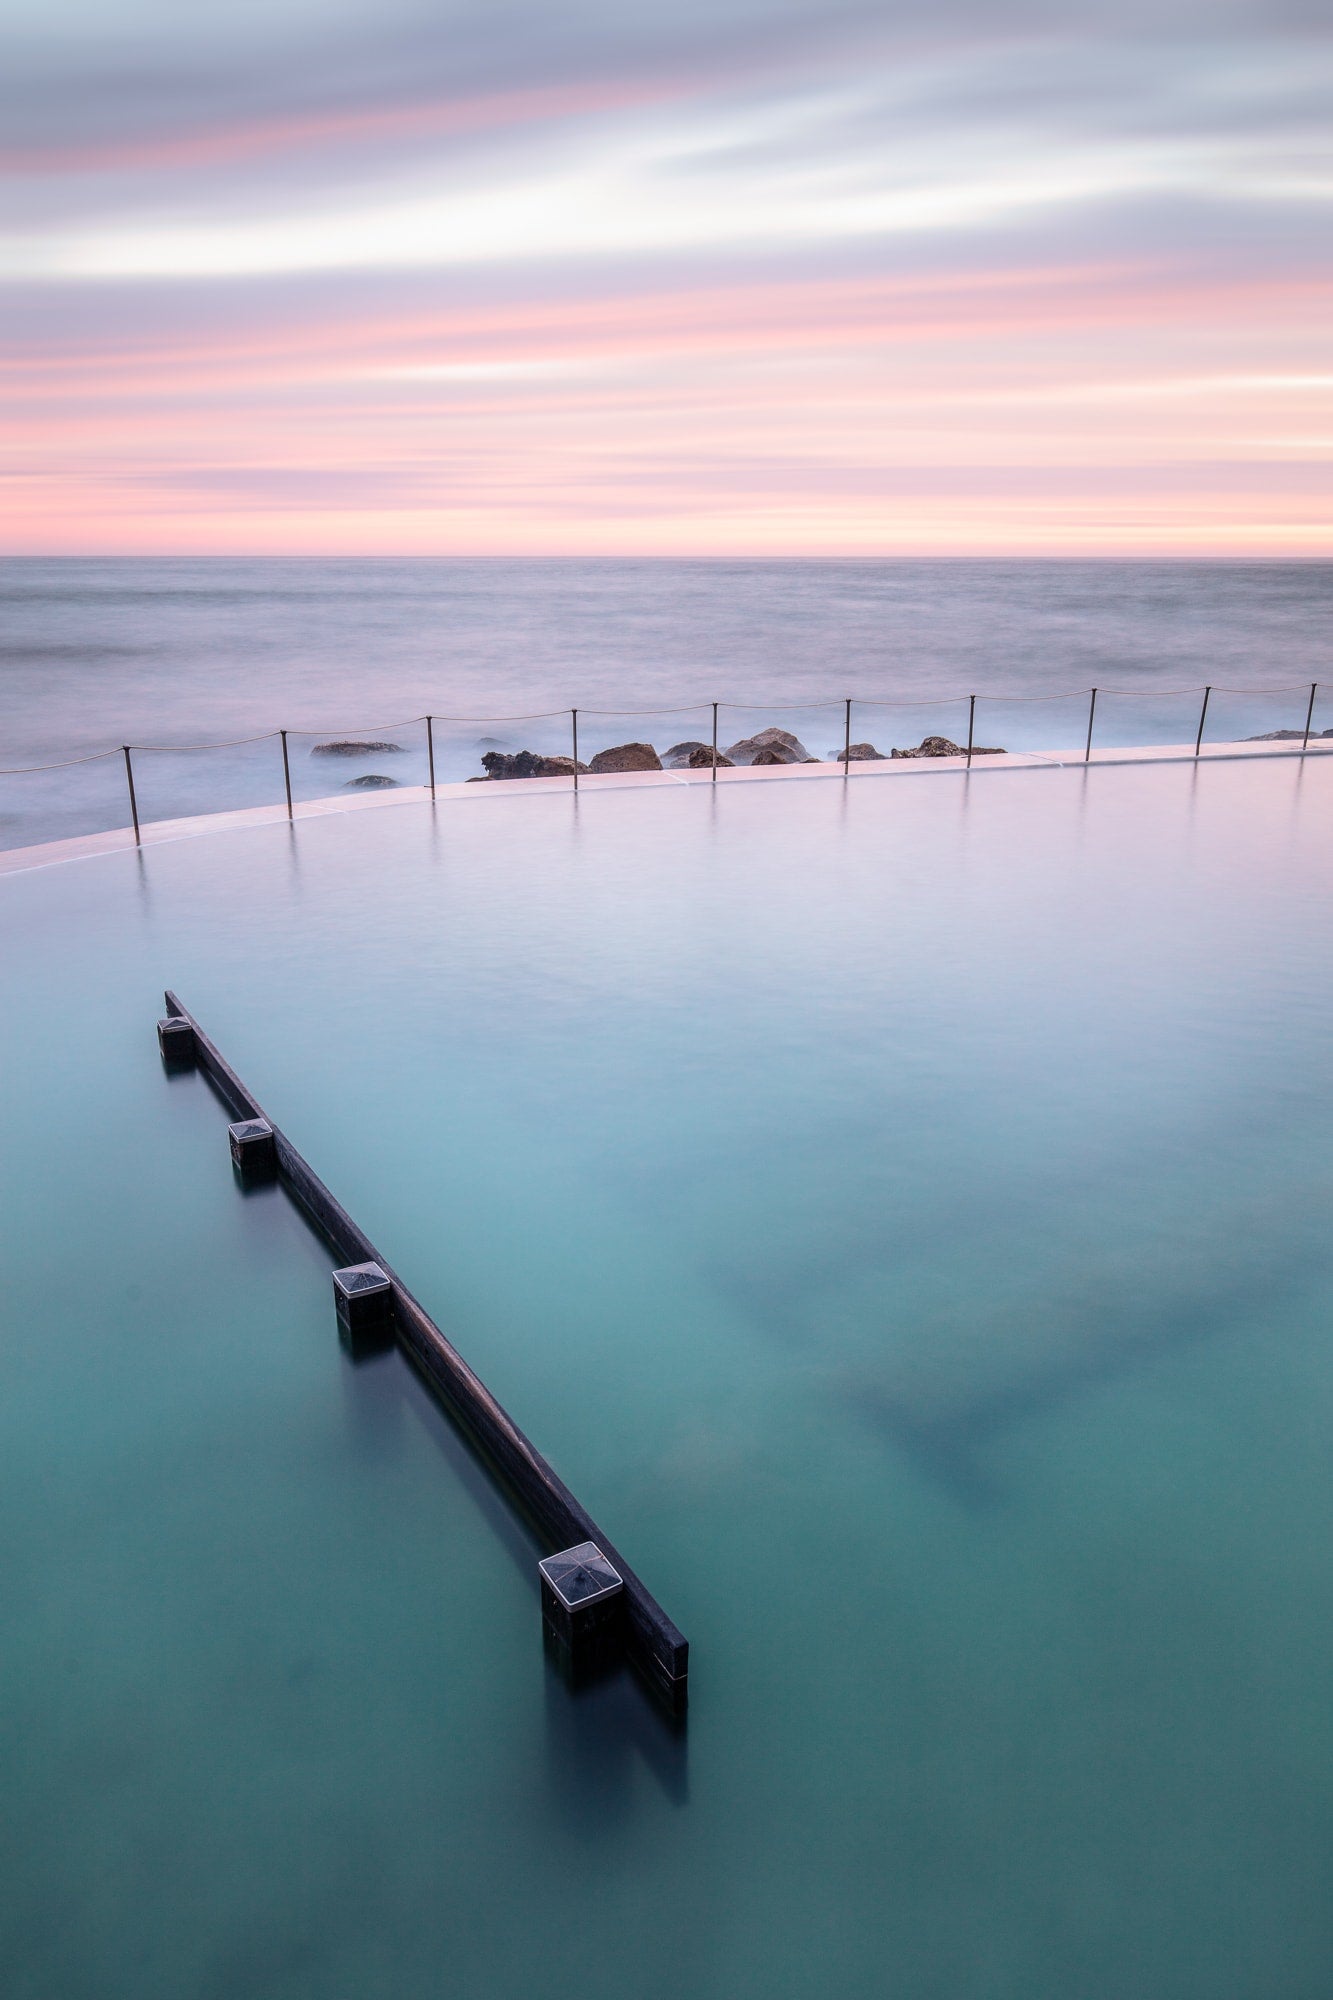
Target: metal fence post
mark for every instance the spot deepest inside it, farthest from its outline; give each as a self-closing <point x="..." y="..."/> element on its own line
<point x="847" y="741"/>
<point x="1092" y="710"/>
<point x="971" y="719"/>
<point x="714" y="742"/>
<point x="1309" y="717"/>
<point x="286" y="772"/>
<point x="574" y="719"/>
<point x="430" y="753"/>
<point x="1203" y="716"/>
<point x="134" y="803"/>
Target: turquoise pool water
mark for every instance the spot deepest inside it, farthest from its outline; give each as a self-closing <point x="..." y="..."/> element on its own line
<point x="901" y="1213"/>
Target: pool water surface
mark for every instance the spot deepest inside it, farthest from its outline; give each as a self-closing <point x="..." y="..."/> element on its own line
<point x="900" y="1213"/>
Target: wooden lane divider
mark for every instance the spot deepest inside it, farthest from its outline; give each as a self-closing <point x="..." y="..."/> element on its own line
<point x="650" y="1641"/>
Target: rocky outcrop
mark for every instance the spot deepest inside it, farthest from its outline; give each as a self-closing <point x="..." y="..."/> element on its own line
<point x="701" y="758"/>
<point x="354" y="749"/>
<point x="860" y="753"/>
<point x="940" y="746"/>
<point x="677" y="758"/>
<point x="526" y="764"/>
<point x="787" y="749"/>
<point x="373" y="781"/>
<point x="626" y="757"/>
<point x="1288" y="736"/>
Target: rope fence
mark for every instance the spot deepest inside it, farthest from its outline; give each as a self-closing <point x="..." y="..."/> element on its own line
<point x="348" y="742"/>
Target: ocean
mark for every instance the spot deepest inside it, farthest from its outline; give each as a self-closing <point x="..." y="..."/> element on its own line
<point x="94" y="654"/>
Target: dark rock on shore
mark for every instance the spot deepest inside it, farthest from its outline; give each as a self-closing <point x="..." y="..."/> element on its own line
<point x="1288" y="736"/>
<point x="940" y="746"/>
<point x="860" y="753"/>
<point x="354" y="749"/>
<point x="677" y="758"/>
<point x="701" y="759"/>
<point x="526" y="764"/>
<point x="787" y="749"/>
<point x="626" y="757"/>
<point x="373" y="781"/>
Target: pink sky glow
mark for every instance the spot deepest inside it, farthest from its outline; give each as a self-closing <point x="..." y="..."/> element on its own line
<point x="864" y="299"/>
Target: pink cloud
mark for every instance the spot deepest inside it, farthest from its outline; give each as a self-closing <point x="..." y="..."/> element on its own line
<point x="1083" y="407"/>
<point x="266" y="139"/>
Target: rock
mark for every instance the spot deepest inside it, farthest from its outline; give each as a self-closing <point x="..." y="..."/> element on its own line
<point x="859" y="753"/>
<point x="1287" y="736"/>
<point x="522" y="764"/>
<point x="789" y="748"/>
<point x="701" y="758"/>
<point x="527" y="764"/>
<point x="940" y="746"/>
<point x="770" y="754"/>
<point x="352" y="749"/>
<point x="373" y="781"/>
<point x="931" y="746"/>
<point x="626" y="757"/>
<point x="677" y="758"/>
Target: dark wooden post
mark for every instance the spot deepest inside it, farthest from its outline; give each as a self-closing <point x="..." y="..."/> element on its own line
<point x="847" y="741"/>
<point x="1092" y="710"/>
<point x="363" y="1302"/>
<point x="583" y="1611"/>
<point x="430" y="753"/>
<point x="286" y="772"/>
<point x="1309" y="716"/>
<point x="971" y="719"/>
<point x="1203" y="716"/>
<point x="254" y="1151"/>
<point x="714" y="742"/>
<point x="574" y="719"/>
<point x="365" y="1286"/>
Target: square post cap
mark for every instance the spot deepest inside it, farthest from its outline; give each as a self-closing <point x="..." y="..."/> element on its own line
<point x="360" y="1281"/>
<point x="581" y="1576"/>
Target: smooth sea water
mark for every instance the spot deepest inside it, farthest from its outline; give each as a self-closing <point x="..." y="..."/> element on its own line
<point x="899" y="1210"/>
<point x="96" y="654"/>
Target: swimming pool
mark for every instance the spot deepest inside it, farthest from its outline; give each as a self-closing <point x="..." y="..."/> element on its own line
<point x="899" y="1211"/>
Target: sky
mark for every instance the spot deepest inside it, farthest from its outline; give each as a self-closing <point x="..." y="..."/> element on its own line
<point x="755" y="277"/>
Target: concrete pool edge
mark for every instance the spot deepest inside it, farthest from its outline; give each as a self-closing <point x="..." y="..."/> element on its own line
<point x="158" y="833"/>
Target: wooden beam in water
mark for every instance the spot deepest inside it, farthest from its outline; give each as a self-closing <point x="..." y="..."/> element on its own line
<point x="653" y="1644"/>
